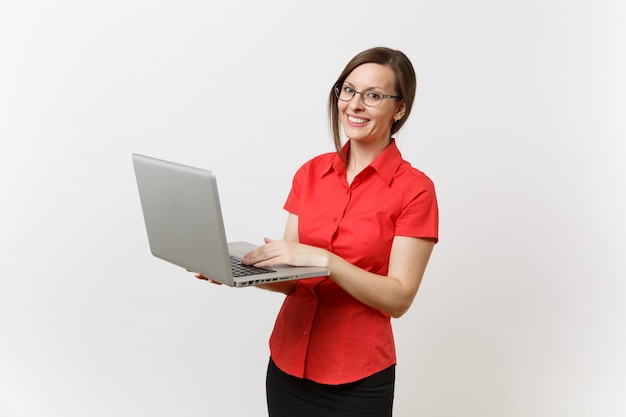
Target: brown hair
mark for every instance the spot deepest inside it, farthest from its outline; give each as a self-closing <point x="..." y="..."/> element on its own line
<point x="405" y="84"/>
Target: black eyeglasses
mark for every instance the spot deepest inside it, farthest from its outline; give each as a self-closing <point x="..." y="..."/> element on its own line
<point x="370" y="98"/>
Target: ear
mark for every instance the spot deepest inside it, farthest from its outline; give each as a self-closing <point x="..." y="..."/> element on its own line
<point x="399" y="114"/>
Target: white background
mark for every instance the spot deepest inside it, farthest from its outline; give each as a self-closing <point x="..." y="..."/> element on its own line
<point x="519" y="120"/>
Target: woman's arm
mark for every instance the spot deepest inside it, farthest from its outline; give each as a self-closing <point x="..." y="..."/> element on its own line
<point x="393" y="293"/>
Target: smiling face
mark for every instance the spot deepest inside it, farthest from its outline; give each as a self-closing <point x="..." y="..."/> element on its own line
<point x="370" y="124"/>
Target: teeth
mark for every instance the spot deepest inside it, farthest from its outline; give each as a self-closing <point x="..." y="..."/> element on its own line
<point x="356" y="120"/>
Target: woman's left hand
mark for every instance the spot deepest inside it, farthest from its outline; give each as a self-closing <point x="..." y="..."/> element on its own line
<point x="289" y="253"/>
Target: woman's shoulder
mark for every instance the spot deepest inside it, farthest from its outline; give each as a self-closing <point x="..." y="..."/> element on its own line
<point x="411" y="181"/>
<point x="409" y="171"/>
<point x="325" y="158"/>
<point x="319" y="162"/>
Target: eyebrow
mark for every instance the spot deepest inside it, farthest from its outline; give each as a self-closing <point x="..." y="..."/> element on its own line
<point x="366" y="88"/>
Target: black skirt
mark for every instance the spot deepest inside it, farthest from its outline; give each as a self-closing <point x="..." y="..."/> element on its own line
<point x="289" y="396"/>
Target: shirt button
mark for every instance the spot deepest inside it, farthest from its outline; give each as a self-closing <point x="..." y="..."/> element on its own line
<point x="306" y="332"/>
<point x="334" y="219"/>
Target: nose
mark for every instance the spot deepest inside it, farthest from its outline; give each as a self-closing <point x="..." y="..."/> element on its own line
<point x="357" y="101"/>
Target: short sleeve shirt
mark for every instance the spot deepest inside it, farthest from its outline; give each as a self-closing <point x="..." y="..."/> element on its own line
<point x="322" y="333"/>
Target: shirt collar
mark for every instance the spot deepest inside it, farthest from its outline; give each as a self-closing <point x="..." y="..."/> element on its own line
<point x="386" y="164"/>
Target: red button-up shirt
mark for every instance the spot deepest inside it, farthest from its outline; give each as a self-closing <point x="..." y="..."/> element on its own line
<point x="322" y="333"/>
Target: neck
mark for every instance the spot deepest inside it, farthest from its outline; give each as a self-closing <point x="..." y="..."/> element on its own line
<point x="361" y="155"/>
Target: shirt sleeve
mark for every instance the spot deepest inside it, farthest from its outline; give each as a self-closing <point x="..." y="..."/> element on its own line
<point x="420" y="216"/>
<point x="292" y="204"/>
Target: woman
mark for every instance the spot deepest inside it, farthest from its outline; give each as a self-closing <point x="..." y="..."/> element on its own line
<point x="372" y="219"/>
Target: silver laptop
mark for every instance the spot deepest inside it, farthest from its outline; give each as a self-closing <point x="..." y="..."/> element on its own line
<point x="184" y="223"/>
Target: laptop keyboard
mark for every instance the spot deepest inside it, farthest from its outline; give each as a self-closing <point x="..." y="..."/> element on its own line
<point x="241" y="270"/>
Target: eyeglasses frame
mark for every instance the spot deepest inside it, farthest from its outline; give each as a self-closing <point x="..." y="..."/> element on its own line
<point x="339" y="88"/>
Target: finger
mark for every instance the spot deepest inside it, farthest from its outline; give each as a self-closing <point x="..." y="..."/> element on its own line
<point x="202" y="277"/>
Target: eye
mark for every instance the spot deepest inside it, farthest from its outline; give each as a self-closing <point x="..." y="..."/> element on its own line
<point x="348" y="89"/>
<point x="373" y="95"/>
